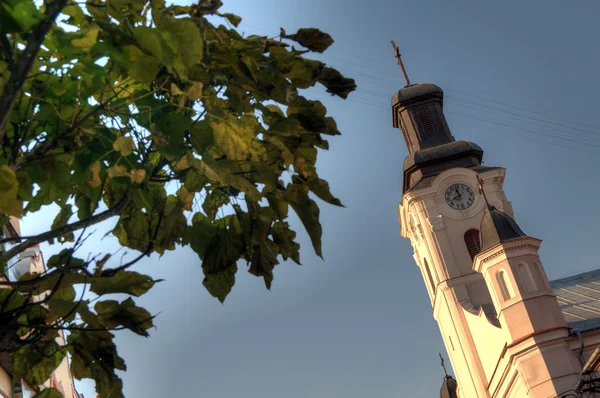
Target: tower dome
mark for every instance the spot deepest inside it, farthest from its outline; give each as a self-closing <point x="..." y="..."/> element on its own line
<point x="415" y="92"/>
<point x="417" y="111"/>
<point x="448" y="389"/>
<point x="497" y="227"/>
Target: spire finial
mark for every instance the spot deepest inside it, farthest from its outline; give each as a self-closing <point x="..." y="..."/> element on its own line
<point x="399" y="61"/>
<point x="442" y="363"/>
<point x="481" y="191"/>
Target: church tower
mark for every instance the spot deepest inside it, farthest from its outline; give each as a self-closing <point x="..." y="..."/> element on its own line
<point x="499" y="319"/>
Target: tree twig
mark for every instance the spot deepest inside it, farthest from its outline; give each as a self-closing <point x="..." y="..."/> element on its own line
<point x="55" y="233"/>
<point x="25" y="62"/>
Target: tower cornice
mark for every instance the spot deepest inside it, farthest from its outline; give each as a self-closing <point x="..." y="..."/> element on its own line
<point x="504" y="251"/>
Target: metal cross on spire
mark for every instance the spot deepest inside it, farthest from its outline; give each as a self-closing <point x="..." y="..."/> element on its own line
<point x="442" y="363"/>
<point x="399" y="61"/>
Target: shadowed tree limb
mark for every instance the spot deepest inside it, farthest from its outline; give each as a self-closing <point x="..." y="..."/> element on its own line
<point x="14" y="84"/>
<point x="55" y="233"/>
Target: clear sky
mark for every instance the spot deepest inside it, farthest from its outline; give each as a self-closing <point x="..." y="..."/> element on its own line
<point x="359" y="324"/>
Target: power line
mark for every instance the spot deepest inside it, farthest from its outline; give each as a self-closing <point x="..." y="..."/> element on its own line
<point x="354" y="57"/>
<point x="386" y="81"/>
<point x="528" y="130"/>
<point x="511" y="127"/>
<point x="453" y="99"/>
<point x="496" y="110"/>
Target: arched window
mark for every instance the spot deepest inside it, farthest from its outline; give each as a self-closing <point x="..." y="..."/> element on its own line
<point x="504" y="284"/>
<point x="431" y="283"/>
<point x="526" y="277"/>
<point x="473" y="243"/>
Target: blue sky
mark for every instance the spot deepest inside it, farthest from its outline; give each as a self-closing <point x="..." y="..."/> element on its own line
<point x="516" y="76"/>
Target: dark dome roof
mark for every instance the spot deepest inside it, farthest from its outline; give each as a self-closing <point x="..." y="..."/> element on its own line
<point x="414" y="91"/>
<point x="448" y="389"/>
<point x="497" y="227"/>
<point x="451" y="149"/>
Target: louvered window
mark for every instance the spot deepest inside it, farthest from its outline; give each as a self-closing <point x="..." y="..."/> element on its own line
<point x="425" y="121"/>
<point x="473" y="243"/>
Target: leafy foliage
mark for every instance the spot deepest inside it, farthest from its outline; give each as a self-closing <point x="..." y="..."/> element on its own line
<point x="186" y="133"/>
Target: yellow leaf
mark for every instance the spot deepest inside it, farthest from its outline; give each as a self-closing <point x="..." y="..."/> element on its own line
<point x="88" y="40"/>
<point x="9" y="187"/>
<point x="183" y="164"/>
<point x="137" y="176"/>
<point x="117" y="171"/>
<point x="124" y="145"/>
<point x="195" y="91"/>
<point x="185" y="197"/>
<point x="175" y="90"/>
<point x="94" y="175"/>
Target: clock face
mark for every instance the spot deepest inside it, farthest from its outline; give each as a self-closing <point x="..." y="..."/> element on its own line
<point x="459" y="196"/>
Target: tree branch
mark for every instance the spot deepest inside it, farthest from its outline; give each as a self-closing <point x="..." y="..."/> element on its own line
<point x="55" y="233"/>
<point x="25" y="62"/>
<point x="5" y="44"/>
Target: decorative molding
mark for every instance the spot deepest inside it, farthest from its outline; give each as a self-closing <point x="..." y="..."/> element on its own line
<point x="436" y="223"/>
<point x="499" y="182"/>
<point x="507" y="249"/>
<point x="421" y="233"/>
<point x="413" y="228"/>
<point x="417" y="259"/>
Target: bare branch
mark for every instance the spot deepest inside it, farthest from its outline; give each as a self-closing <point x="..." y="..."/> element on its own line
<point x="55" y="233"/>
<point x="25" y="62"/>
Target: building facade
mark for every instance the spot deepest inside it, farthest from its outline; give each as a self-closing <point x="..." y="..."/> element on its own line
<point x="508" y="330"/>
<point x="31" y="260"/>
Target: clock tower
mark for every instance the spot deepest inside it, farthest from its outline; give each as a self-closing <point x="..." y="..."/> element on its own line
<point x="499" y="319"/>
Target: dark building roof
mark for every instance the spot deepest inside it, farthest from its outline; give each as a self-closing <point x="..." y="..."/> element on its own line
<point x="441" y="152"/>
<point x="408" y="93"/>
<point x="579" y="299"/>
<point x="497" y="227"/>
<point x="448" y="389"/>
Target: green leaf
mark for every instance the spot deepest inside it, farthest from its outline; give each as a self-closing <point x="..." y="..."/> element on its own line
<point x="136" y="231"/>
<point x="264" y="260"/>
<point x="19" y="16"/>
<point x="219" y="285"/>
<point x="150" y="40"/>
<point x="312" y="38"/>
<point x="94" y="355"/>
<point x="185" y="40"/>
<point x="113" y="314"/>
<point x="233" y="19"/>
<point x="62" y="218"/>
<point x="284" y="237"/>
<point x="141" y="67"/>
<point x="65" y="309"/>
<point x="321" y="188"/>
<point x="222" y="252"/>
<point x="201" y="136"/>
<point x="129" y="282"/>
<point x="214" y="201"/>
<point x="84" y="207"/>
<point x="335" y="83"/>
<point x="35" y="363"/>
<point x="308" y="212"/>
<point x="199" y="235"/>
